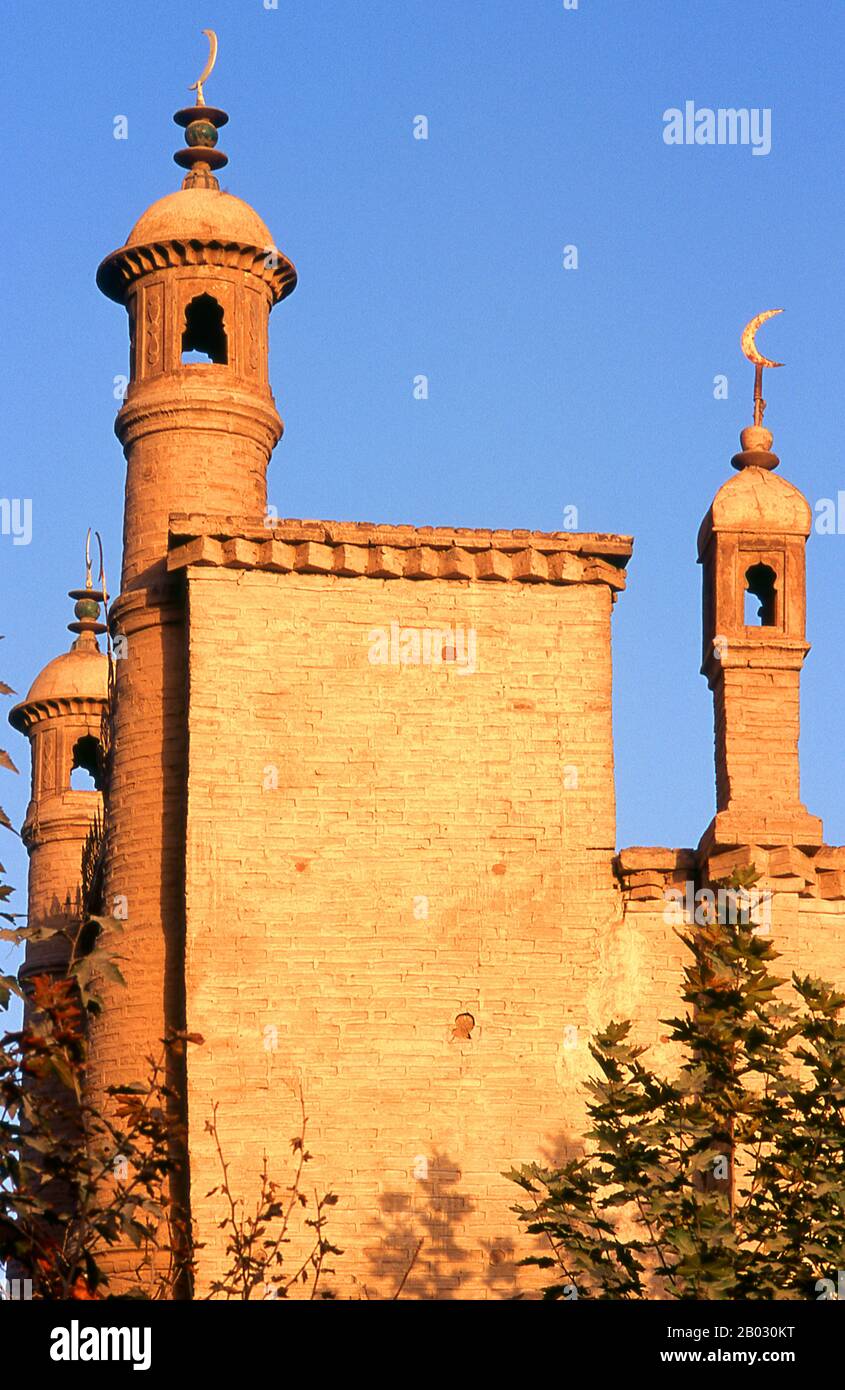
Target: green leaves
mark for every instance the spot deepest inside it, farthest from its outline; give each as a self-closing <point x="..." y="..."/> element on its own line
<point x="727" y="1181"/>
<point x="99" y="962"/>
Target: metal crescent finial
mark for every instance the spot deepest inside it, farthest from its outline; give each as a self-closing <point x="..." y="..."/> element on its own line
<point x="206" y="72"/>
<point x="102" y="577"/>
<point x="88" y="583"/>
<point x="752" y="352"/>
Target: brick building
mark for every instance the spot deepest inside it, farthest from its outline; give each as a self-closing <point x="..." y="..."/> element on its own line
<point x="404" y="894"/>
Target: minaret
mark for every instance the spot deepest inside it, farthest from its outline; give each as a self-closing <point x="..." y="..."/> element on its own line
<point x="198" y="275"/>
<point x="62" y="718"/>
<point x="752" y="547"/>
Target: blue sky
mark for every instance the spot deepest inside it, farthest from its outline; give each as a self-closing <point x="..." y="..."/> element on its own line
<point x="549" y="387"/>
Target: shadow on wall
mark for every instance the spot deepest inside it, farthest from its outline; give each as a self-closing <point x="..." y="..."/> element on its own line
<point x="436" y="1213"/>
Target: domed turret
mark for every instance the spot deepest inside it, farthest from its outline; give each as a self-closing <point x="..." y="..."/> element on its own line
<point x="198" y="274"/>
<point x="751" y="545"/>
<point x="62" y="717"/>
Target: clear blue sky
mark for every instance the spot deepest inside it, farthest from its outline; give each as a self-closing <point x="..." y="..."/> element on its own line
<point x="548" y="387"/>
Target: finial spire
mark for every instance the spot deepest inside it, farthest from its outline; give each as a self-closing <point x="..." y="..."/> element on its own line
<point x="88" y="600"/>
<point x="756" y="440"/>
<point x="201" y="124"/>
<point x="207" y="70"/>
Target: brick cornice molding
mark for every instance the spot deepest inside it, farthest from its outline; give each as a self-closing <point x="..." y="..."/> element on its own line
<point x="364" y="550"/>
<point x="150" y="606"/>
<point x="122" y="268"/>
<point x="174" y="401"/>
<point x="646" y="875"/>
<point x="24" y="716"/>
<point x="59" y="817"/>
<point x="757" y="651"/>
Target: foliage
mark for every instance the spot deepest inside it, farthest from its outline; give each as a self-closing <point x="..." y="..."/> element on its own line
<point x="76" y="1180"/>
<point x="727" y="1182"/>
<point x="5" y="889"/>
<point x="256" y="1240"/>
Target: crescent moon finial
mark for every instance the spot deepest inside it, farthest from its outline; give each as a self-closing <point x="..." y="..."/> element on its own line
<point x="749" y="334"/>
<point x="207" y="70"/>
<point x="752" y="352"/>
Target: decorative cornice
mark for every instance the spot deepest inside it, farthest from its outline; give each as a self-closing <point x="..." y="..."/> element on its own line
<point x="123" y="267"/>
<point x="364" y="550"/>
<point x="151" y="605"/>
<point x="168" y="402"/>
<point x="60" y="816"/>
<point x="647" y="875"/>
<point x="29" y="713"/>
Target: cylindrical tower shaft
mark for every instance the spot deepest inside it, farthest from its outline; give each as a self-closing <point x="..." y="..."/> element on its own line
<point x="198" y="275"/>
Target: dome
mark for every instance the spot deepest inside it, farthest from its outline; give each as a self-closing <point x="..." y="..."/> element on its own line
<point x="758" y="500"/>
<point x="197" y="217"/>
<point x="80" y="674"/>
<point x="201" y="214"/>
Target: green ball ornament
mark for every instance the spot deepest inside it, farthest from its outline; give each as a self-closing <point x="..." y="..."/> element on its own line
<point x="201" y="133"/>
<point x="86" y="608"/>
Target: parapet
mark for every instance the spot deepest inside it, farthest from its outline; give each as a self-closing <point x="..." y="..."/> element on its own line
<point x="365" y="550"/>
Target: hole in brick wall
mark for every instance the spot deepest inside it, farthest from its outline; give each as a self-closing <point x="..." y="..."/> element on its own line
<point x="760" y="596"/>
<point x="86" y="765"/>
<point x="204" y="338"/>
<point x="464" y="1024"/>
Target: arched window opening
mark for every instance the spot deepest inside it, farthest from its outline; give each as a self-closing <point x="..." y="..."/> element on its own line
<point x="760" y="596"/>
<point x="86" y="767"/>
<point x="204" y="338"/>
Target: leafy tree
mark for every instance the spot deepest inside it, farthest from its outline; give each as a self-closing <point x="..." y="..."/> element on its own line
<point x="76" y="1180"/>
<point x="728" y="1181"/>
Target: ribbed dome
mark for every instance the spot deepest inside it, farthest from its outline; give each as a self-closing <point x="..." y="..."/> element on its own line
<point x="202" y="214"/>
<point x="77" y="674"/>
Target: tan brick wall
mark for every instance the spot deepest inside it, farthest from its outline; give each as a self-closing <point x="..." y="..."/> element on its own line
<point x="396" y="783"/>
<point x="649" y="960"/>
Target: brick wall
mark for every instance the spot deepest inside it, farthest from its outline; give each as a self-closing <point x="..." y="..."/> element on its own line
<point x="420" y="856"/>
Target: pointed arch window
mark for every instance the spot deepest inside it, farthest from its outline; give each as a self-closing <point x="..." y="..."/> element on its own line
<point x="86" y="765"/>
<point x="204" y="335"/>
<point x="760" y="596"/>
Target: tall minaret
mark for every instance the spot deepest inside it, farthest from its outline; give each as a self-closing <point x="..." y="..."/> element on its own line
<point x="752" y="547"/>
<point x="198" y="274"/>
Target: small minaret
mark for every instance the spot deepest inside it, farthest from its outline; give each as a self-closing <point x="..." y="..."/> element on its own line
<point x="752" y="547"/>
<point x="62" y="718"/>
